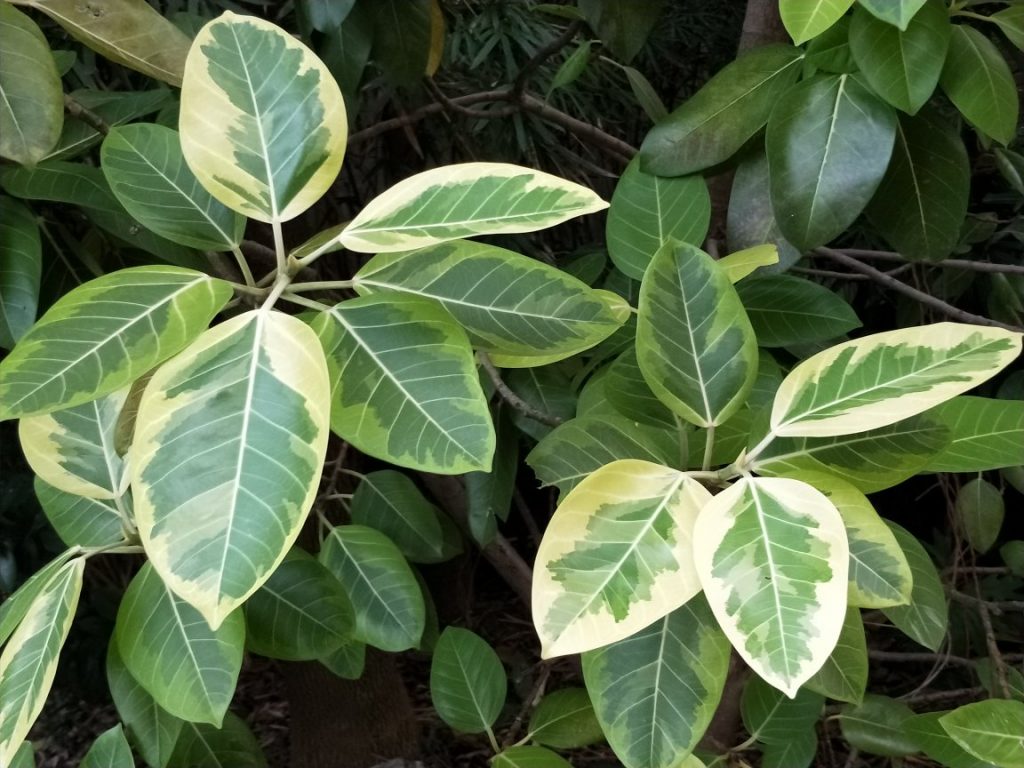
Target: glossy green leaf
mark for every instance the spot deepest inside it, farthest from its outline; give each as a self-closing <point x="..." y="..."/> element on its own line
<point x="147" y="172"/>
<point x="740" y="264"/>
<point x="129" y="32"/>
<point x="347" y="660"/>
<point x="980" y="507"/>
<point x="876" y="726"/>
<point x="583" y="445"/>
<point x="796" y="752"/>
<point x="919" y="207"/>
<point x="844" y="677"/>
<point x="830" y="51"/>
<point x="895" y="12"/>
<point x="645" y="95"/>
<point x="990" y="730"/>
<point x="401" y="38"/>
<point x="932" y="739"/>
<point x="656" y="691"/>
<point x="773" y="559"/>
<point x="31" y="96"/>
<point x="565" y="719"/>
<point x="151" y="729"/>
<point x="926" y="618"/>
<point x="467" y="681"/>
<point x="301" y="613"/>
<point x="188" y="668"/>
<point x="1011" y="22"/>
<point x="985" y="434"/>
<point x="263" y="123"/>
<point x="695" y="345"/>
<point x="648" y="211"/>
<point x="805" y="19"/>
<point x="772" y="717"/>
<point x="886" y="377"/>
<point x="114" y="108"/>
<point x="397" y="407"/>
<point x="622" y="25"/>
<point x="528" y="757"/>
<point x="110" y="750"/>
<point x="719" y="119"/>
<point x="978" y="81"/>
<point x="628" y="393"/>
<point x="572" y="68"/>
<point x="616" y="556"/>
<point x="21" y="266"/>
<point x="785" y="311"/>
<point x="510" y="304"/>
<point x="902" y="67"/>
<point x="25" y="757"/>
<point x="750" y="220"/>
<point x="871" y="461"/>
<point x="29" y="660"/>
<point x="138" y="317"/>
<point x="489" y="494"/>
<point x="388" y="603"/>
<point x="326" y="15"/>
<point x="988" y="674"/>
<point x="79" y="520"/>
<point x="828" y="144"/>
<point x="202" y="745"/>
<point x="465" y="200"/>
<point x="16" y="607"/>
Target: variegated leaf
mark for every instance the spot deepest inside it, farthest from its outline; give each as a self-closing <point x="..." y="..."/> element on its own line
<point x="263" y="123"/>
<point x="188" y="668"/>
<point x="73" y="449"/>
<point x="465" y="200"/>
<point x="81" y="521"/>
<point x="15" y="607"/>
<point x="694" y="342"/>
<point x="616" y="556"/>
<point x="742" y="263"/>
<point x="773" y="560"/>
<point x="510" y="304"/>
<point x="886" y="377"/>
<point x="29" y="660"/>
<point x="404" y="384"/>
<point x="104" y="334"/>
<point x="229" y="444"/>
<point x="655" y="692"/>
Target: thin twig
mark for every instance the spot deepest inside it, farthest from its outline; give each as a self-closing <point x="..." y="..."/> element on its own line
<point x="900" y="657"/>
<point x="512" y="398"/>
<point x="976" y="266"/>
<point x="543" y="54"/>
<point x="451" y="105"/>
<point x="86" y="115"/>
<point x="425" y="111"/>
<point x="926" y="299"/>
<point x="529" y="704"/>
<point x="939" y="696"/>
<point x="998" y="662"/>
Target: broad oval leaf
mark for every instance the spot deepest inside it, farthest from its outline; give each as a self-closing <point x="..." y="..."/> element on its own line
<point x="263" y="123"/>
<point x="830" y="51"/>
<point x="31" y="96"/>
<point x="29" y="660"/>
<point x="347" y="660"/>
<point x="920" y="206"/>
<point x="772" y="718"/>
<point x="73" y="449"/>
<point x="465" y="200"/>
<point x="828" y="142"/>
<point x="629" y="394"/>
<point x="886" y="377"/>
<point x="188" y="668"/>
<point x="981" y="509"/>
<point x="529" y="757"/>
<point x="253" y="394"/>
<point x="750" y="220"/>
<point x="389" y="609"/>
<point x="844" y="677"/>
<point x="622" y="25"/>
<point x="110" y="750"/>
<point x="932" y="739"/>
<point x="404" y="384"/>
<point x="902" y="67"/>
<point x="648" y="211"/>
<point x="655" y="692"/>
<point x="232" y="745"/>
<point x="467" y="681"/>
<point x="926" y="618"/>
<point x="21" y="265"/>
<point x="300" y="613"/>
<point x="616" y="556"/>
<point x="719" y="119"/>
<point x="81" y="521"/>
<point x="984" y="434"/>
<point x="786" y="311"/>
<point x="146" y="170"/>
<point x="978" y="81"/>
<point x="565" y="719"/>
<point x="1011" y="22"/>
<point x="990" y="730"/>
<point x="895" y="12"/>
<point x="510" y="304"/>
<point x="136" y="318"/>
<point x="151" y="729"/>
<point x="876" y="726"/>
<point x="773" y="559"/>
<point x="805" y="19"/>
<point x="694" y="341"/>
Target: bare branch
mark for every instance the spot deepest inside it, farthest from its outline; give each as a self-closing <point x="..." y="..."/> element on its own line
<point x="512" y="398"/>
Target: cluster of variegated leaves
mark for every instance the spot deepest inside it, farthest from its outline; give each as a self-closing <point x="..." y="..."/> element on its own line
<point x="205" y="444"/>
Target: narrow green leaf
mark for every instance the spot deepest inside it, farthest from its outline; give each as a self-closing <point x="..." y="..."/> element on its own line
<point x="572" y="68"/>
<point x="21" y="265"/>
<point x="772" y="717"/>
<point x="805" y="19"/>
<point x="932" y="739"/>
<point x="876" y="726"/>
<point x="895" y="12"/>
<point x="844" y="677"/>
<point x="828" y="145"/>
<point x="1011" y="21"/>
<point x="980" y="507"/>
<point x="31" y="96"/>
<point x="719" y="119"/>
<point x="80" y="521"/>
<point x="978" y="81"/>
<point x="467" y="681"/>
<point x="648" y="211"/>
<point x="622" y="25"/>
<point x="137" y="318"/>
<point x="985" y="434"/>
<point x="230" y="746"/>
<point x="565" y="719"/>
<point x="926" y="618"/>
<point x="380" y="585"/>
<point x="695" y="345"/>
<point x="645" y="95"/>
<point x="656" y="691"/>
<point x="785" y="311"/>
<point x="110" y="750"/>
<point x="990" y="730"/>
<point x="405" y="387"/>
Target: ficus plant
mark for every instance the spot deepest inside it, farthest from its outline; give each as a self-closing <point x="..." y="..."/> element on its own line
<point x="711" y="431"/>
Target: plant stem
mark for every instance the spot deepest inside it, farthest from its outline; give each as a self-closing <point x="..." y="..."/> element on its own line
<point x="303" y="302"/>
<point x="243" y="266"/>
<point x="709" y="446"/>
<point x="280" y="285"/>
<point x="757" y="450"/>
<point x="279" y="249"/>
<point x="512" y="398"/>
<point x="321" y="285"/>
<point x="86" y="115"/>
<point x="121" y="548"/>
